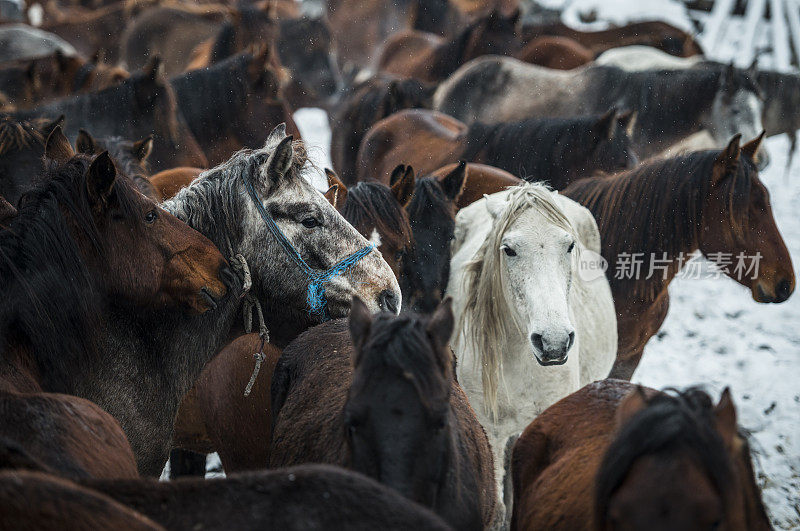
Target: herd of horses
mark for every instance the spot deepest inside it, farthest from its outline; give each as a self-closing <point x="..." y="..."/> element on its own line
<point x="417" y="345"/>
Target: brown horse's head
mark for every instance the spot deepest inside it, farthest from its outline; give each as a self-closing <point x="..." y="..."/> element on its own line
<point x="21" y="150"/>
<point x="739" y="231"/>
<point x="397" y="418"/>
<point x="146" y="256"/>
<point x="306" y="48"/>
<point x="677" y="462"/>
<point x="378" y="213"/>
<point x="494" y="34"/>
<point x="265" y="104"/>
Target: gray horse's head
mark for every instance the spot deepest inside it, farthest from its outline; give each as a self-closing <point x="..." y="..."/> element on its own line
<point x="218" y="204"/>
<point x="737" y="108"/>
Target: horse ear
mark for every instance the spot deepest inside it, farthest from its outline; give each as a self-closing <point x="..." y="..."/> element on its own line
<point x="514" y="17"/>
<point x="142" y="149"/>
<point x="100" y="179"/>
<point x="154" y="68"/>
<point x="360" y="322"/>
<point x="728" y="83"/>
<point x="631" y="405"/>
<point x="49" y="127"/>
<point x="397" y="174"/>
<point x="606" y="125"/>
<point x="58" y="147"/>
<point x="276" y="135"/>
<point x="626" y="121"/>
<point x="7" y="210"/>
<point x="280" y="161"/>
<point x="751" y="148"/>
<point x="85" y="143"/>
<point x="727" y="162"/>
<point x="440" y="326"/>
<point x="340" y="195"/>
<point x="453" y="182"/>
<point x="403" y="187"/>
<point x="725" y="418"/>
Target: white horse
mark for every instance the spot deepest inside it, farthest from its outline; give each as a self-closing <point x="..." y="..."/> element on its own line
<point x="635" y="58"/>
<point x="532" y="328"/>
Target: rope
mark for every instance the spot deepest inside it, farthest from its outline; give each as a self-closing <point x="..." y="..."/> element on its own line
<point x="250" y="302"/>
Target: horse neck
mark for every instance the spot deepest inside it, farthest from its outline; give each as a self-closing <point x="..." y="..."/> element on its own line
<point x="448" y="56"/>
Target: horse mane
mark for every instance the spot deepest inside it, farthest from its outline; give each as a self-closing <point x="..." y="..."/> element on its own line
<point x="658" y="207"/>
<point x="692" y="91"/>
<point x="488" y="319"/>
<point x="672" y="422"/>
<point x="16" y="135"/>
<point x="560" y="145"/>
<point x="402" y="344"/>
<point x="369" y="202"/>
<point x="52" y="298"/>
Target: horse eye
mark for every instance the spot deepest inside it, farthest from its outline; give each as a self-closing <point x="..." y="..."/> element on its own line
<point x="399" y="255"/>
<point x="509" y="251"/>
<point x="571" y="247"/>
<point x="151" y="216"/>
<point x="310" y="223"/>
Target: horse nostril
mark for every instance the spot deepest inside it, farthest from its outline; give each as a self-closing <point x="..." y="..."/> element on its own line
<point x="538" y="344"/>
<point x="783" y="291"/>
<point x="570" y="341"/>
<point x="388" y="301"/>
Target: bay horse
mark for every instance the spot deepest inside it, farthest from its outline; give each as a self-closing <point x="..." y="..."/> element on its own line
<point x="724" y="101"/>
<point x="219" y="205"/>
<point x="386" y="403"/>
<point x="531" y="328"/>
<point x="362" y="106"/>
<point x="566" y="148"/>
<point x="561" y="53"/>
<point x="656" y="34"/>
<point x="106" y="260"/>
<point x="431" y="58"/>
<point x="299" y="498"/>
<point x="711" y="201"/>
<point x="32" y="81"/>
<point x="617" y="456"/>
<point x="235" y="103"/>
<point x="34" y="500"/>
<point x="169" y="182"/>
<point x="142" y="105"/>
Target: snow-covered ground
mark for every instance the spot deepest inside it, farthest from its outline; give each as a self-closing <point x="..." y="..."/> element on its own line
<point x="717" y="336"/>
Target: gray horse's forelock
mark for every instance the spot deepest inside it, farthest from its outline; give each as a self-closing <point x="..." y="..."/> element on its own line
<point x="489" y="317"/>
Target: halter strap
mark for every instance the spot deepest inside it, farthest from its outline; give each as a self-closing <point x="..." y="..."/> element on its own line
<point x="315" y="295"/>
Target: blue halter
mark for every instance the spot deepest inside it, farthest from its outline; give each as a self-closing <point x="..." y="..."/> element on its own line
<point x="315" y="296"/>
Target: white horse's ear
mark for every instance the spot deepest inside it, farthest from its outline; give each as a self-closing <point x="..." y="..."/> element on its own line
<point x="276" y="135"/>
<point x="495" y="206"/>
<point x="280" y="160"/>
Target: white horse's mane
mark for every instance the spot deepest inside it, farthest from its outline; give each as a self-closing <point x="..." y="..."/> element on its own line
<point x="488" y="318"/>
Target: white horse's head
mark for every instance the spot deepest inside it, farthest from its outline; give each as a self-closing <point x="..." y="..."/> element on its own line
<point x="518" y="284"/>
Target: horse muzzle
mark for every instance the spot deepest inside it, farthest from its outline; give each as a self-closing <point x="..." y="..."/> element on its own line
<point x="552" y="349"/>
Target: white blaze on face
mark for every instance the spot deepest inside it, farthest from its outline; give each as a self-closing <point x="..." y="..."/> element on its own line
<point x="375" y="238"/>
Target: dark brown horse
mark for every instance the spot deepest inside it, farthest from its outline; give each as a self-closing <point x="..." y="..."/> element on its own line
<point x="129" y="157"/>
<point x="234" y="104"/>
<point x="30" y="82"/>
<point x="34" y="500"/>
<point x="561" y="53"/>
<point x="364" y="105"/>
<point x="94" y="262"/>
<point x="429" y="57"/>
<point x="566" y="149"/>
<point x="664" y="210"/>
<point x="657" y="34"/>
<point x="616" y="456"/>
<point x="382" y="399"/>
<point x="310" y="497"/>
<point x="142" y="105"/>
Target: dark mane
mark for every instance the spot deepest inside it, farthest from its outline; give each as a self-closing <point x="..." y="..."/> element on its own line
<point x="671" y="423"/>
<point x="456" y="51"/>
<point x="373" y="204"/>
<point x="402" y="344"/>
<point x="17" y="135"/>
<point x="43" y="274"/>
<point x="665" y="99"/>
<point x="556" y="150"/>
<point x="658" y="207"/>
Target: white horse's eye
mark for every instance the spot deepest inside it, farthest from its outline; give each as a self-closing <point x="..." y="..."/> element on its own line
<point x="509" y="251"/>
<point x="571" y="246"/>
